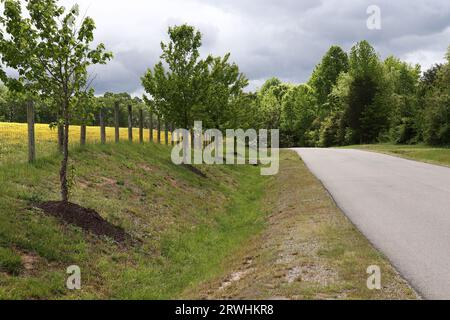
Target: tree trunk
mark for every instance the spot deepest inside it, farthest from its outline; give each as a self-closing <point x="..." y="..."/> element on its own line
<point x="65" y="160"/>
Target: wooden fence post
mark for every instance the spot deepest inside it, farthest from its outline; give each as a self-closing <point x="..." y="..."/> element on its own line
<point x="31" y="133"/>
<point x="130" y="124"/>
<point x="172" y="138"/>
<point x="166" y="133"/>
<point x="60" y="137"/>
<point x="141" y="125"/>
<point x="83" y="135"/>
<point x="102" y="127"/>
<point x="192" y="139"/>
<point x="151" y="127"/>
<point x="116" y="121"/>
<point x="205" y="140"/>
<point x="159" y="129"/>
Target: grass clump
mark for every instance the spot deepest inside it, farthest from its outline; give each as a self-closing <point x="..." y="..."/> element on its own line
<point x="10" y="262"/>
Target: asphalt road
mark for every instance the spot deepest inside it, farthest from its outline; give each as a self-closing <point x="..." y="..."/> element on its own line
<point x="401" y="206"/>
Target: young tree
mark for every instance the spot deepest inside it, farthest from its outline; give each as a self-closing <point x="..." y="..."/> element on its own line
<point x="224" y="84"/>
<point x="177" y="92"/>
<point x="51" y="53"/>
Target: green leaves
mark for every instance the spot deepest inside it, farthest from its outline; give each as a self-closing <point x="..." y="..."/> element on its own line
<point x="51" y="55"/>
<point x="436" y="111"/>
<point x="192" y="88"/>
<point x="270" y="99"/>
<point x="47" y="49"/>
<point x="326" y="74"/>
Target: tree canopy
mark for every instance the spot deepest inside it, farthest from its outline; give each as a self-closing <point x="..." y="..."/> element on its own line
<point x="192" y="88"/>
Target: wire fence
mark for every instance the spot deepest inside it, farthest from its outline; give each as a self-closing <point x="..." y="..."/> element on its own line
<point x="14" y="139"/>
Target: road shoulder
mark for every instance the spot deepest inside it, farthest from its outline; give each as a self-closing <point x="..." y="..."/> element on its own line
<point x="308" y="250"/>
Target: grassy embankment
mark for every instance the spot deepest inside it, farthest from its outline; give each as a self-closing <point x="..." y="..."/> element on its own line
<point x="423" y="153"/>
<point x="187" y="224"/>
<point x="286" y="230"/>
<point x="308" y="250"/>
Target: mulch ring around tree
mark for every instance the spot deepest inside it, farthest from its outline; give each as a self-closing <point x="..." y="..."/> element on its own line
<point x="87" y="219"/>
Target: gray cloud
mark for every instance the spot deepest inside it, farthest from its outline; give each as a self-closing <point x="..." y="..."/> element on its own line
<point x="283" y="38"/>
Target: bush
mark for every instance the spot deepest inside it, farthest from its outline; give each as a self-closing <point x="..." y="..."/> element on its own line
<point x="405" y="132"/>
<point x="329" y="132"/>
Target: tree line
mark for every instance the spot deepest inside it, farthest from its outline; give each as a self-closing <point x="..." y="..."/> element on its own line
<point x="351" y="98"/>
<point x="357" y="98"/>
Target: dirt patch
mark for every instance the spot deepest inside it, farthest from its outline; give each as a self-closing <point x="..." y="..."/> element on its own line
<point x="173" y="182"/>
<point x="107" y="182"/>
<point x="235" y="277"/>
<point x="194" y="170"/>
<point x="87" y="219"/>
<point x="146" y="167"/>
<point x="83" y="184"/>
<point x="29" y="260"/>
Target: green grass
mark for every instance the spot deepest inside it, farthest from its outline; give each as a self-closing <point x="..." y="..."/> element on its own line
<point x="306" y="232"/>
<point x="10" y="262"/>
<point x="188" y="225"/>
<point x="423" y="153"/>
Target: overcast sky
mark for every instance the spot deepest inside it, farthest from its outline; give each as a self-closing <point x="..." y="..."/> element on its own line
<point x="266" y="38"/>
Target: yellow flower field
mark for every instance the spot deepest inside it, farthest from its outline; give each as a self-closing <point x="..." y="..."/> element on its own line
<point x="14" y="143"/>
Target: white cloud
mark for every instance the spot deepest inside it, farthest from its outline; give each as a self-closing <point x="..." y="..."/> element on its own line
<point x="283" y="38"/>
<point x="425" y="58"/>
